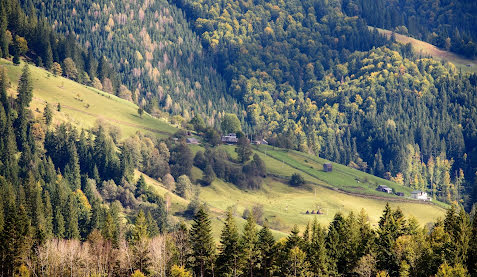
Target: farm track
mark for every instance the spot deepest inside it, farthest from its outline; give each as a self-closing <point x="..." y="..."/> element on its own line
<point x="363" y="195"/>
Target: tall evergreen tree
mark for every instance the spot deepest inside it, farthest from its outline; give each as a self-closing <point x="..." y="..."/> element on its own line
<point x="267" y="250"/>
<point x="141" y="243"/>
<point x="72" y="229"/>
<point x="472" y="253"/>
<point x="229" y="258"/>
<point x="387" y="232"/>
<point x="202" y="244"/>
<point x="25" y="88"/>
<point x="250" y="247"/>
<point x="317" y="251"/>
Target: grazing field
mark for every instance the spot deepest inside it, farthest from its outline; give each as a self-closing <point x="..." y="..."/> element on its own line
<point x="341" y="177"/>
<point x="285" y="206"/>
<point x="82" y="105"/>
<point x="342" y="190"/>
<point x="426" y="49"/>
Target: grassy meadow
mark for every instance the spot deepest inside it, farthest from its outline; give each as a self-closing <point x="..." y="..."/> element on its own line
<point x="343" y="190"/>
<point x="82" y="106"/>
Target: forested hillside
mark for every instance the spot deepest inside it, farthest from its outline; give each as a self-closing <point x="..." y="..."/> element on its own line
<point x="149" y="43"/>
<point x="373" y="110"/>
<point x="75" y="201"/>
<point x="449" y="24"/>
<point x="293" y="65"/>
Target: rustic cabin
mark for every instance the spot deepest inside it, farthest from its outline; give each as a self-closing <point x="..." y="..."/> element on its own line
<point x="385" y="189"/>
<point x="192" y="141"/>
<point x="230" y="138"/>
<point x="419" y="195"/>
<point x="327" y="167"/>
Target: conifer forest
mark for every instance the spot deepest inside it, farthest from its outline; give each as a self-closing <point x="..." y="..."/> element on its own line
<point x="238" y="102"/>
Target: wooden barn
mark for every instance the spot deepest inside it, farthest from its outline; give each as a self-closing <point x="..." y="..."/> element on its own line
<point x="327" y="167"/>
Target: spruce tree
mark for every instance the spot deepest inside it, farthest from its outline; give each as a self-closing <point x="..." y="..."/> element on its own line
<point x="140" y="186"/>
<point x="472" y="253"/>
<point x="202" y="244"/>
<point x="296" y="264"/>
<point x="141" y="243"/>
<point x="3" y="34"/>
<point x="48" y="114"/>
<point x="335" y="244"/>
<point x="243" y="149"/>
<point x="48" y="214"/>
<point x="209" y="174"/>
<point x="229" y="258"/>
<point x="294" y="239"/>
<point x="267" y="250"/>
<point x="250" y="248"/>
<point x="388" y="231"/>
<point x="59" y="226"/>
<point x="108" y="227"/>
<point x="152" y="228"/>
<point x="25" y="88"/>
<point x="72" y="229"/>
<point x="317" y="251"/>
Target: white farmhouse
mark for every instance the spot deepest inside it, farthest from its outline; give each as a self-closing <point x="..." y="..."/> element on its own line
<point x="419" y="195"/>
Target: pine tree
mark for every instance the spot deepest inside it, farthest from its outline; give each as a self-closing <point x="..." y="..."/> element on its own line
<point x="250" y="248"/>
<point x="267" y="250"/>
<point x="25" y="88"/>
<point x="141" y="243"/>
<point x="317" y="250"/>
<point x="229" y="258"/>
<point x="72" y="229"/>
<point x="152" y="228"/>
<point x="202" y="244"/>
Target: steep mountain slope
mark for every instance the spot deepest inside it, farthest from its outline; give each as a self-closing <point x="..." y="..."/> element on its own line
<point x="446" y="24"/>
<point x="424" y="49"/>
<point x="83" y="106"/>
<point x="344" y="189"/>
<point x="309" y="80"/>
<point x="152" y="47"/>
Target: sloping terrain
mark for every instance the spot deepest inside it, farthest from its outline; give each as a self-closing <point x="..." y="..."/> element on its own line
<point x="82" y="105"/>
<point x="344" y="189"/>
<point x="426" y="49"/>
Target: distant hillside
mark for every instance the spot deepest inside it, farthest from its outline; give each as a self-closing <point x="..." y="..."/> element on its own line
<point x="151" y="46"/>
<point x="426" y="49"/>
<point x="344" y="189"/>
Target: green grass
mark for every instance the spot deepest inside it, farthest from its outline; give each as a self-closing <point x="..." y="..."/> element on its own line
<point x="288" y="205"/>
<point x="427" y="49"/>
<point x="82" y="105"/>
<point x="342" y="177"/>
<point x="283" y="205"/>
